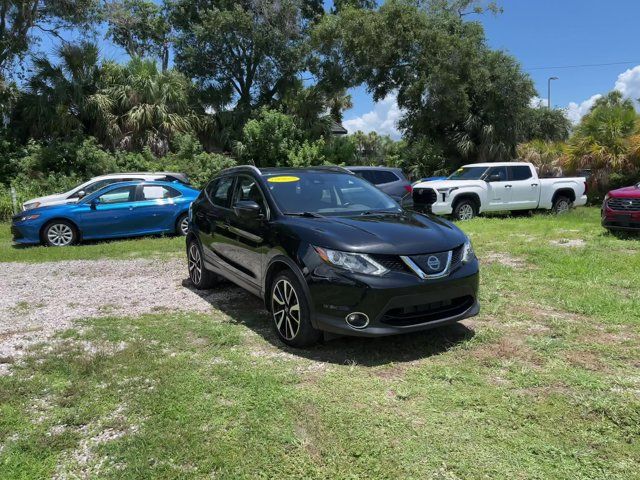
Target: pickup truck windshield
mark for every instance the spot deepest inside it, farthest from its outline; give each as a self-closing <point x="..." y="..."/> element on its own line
<point x="468" y="173"/>
<point x="328" y="193"/>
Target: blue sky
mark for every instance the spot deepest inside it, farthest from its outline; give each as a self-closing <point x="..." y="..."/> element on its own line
<point x="548" y="33"/>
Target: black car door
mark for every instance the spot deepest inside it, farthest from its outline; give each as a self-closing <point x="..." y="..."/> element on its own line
<point x="250" y="231"/>
<point x="212" y="221"/>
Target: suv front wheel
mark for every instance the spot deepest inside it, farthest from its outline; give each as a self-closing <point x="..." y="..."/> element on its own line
<point x="291" y="313"/>
<point x="201" y="278"/>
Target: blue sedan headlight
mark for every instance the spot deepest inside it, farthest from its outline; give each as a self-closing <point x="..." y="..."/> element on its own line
<point x="26" y="218"/>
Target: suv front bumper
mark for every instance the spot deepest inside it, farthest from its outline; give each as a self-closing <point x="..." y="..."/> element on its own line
<point x="395" y="303"/>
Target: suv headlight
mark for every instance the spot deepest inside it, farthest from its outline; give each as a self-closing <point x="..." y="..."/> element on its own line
<point x="445" y="192"/>
<point x="467" y="252"/>
<point x="354" y="262"/>
<point x="29" y="206"/>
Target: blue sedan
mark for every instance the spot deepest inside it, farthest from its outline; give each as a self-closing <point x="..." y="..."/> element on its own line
<point x="125" y="209"/>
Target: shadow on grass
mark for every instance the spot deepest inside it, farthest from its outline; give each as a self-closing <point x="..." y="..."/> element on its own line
<point x="248" y="310"/>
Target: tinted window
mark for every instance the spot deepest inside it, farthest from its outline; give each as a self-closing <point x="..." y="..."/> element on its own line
<point x="384" y="176"/>
<point x="326" y="193"/>
<point x="248" y="189"/>
<point x="118" y="195"/>
<point x="500" y="171"/>
<point x="520" y="172"/>
<point x="368" y="175"/>
<point x="155" y="192"/>
<point x="221" y="191"/>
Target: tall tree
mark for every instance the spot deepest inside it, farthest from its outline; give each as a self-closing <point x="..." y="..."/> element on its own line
<point x="19" y="19"/>
<point x="242" y="53"/>
<point x="140" y="27"/>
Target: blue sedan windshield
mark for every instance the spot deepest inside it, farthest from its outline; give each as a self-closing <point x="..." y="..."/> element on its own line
<point x="327" y="194"/>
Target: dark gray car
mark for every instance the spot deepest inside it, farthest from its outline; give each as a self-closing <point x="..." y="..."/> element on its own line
<point x="390" y="180"/>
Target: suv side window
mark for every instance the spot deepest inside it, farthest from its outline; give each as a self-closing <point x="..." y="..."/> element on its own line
<point x="384" y="176"/>
<point x="501" y="171"/>
<point x="520" y="172"/>
<point x="247" y="189"/>
<point x="221" y="192"/>
<point x="368" y="175"/>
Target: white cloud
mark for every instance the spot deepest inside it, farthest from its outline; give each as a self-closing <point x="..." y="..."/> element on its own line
<point x="576" y="111"/>
<point x="383" y="119"/>
<point x="628" y="83"/>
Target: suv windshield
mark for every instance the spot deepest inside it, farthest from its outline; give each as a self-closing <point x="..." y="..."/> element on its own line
<point x="468" y="173"/>
<point x="326" y="193"/>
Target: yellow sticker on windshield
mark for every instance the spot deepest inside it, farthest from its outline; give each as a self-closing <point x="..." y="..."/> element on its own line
<point x="283" y="179"/>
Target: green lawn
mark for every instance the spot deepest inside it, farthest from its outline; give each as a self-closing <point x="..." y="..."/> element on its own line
<point x="545" y="383"/>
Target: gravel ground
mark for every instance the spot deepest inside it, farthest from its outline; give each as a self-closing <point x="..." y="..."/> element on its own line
<point x="39" y="299"/>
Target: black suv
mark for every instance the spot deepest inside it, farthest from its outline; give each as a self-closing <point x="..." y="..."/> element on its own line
<point x="327" y="251"/>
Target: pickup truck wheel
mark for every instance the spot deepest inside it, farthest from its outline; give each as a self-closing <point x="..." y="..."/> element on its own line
<point x="465" y="209"/>
<point x="561" y="205"/>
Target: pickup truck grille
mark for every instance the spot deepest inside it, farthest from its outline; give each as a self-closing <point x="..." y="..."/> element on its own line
<point x="624" y="204"/>
<point x="424" y="196"/>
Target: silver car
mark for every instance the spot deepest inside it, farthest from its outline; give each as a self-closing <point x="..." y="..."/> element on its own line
<point x="391" y="181"/>
<point x="97" y="183"/>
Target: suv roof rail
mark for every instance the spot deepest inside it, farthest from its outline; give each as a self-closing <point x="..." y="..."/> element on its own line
<point x="242" y="168"/>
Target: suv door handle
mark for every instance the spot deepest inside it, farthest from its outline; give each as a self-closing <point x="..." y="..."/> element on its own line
<point x="534" y="184"/>
<point x="508" y="186"/>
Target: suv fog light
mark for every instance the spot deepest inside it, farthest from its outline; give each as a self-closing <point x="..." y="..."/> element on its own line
<point x="357" y="320"/>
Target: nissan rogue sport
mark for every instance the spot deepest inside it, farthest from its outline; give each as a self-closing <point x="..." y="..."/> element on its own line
<point x="327" y="251"/>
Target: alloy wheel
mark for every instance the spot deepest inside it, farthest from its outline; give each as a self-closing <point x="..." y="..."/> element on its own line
<point x="465" y="212"/>
<point x="60" y="235"/>
<point x="562" y="207"/>
<point x="286" y="309"/>
<point x="195" y="264"/>
<point x="184" y="225"/>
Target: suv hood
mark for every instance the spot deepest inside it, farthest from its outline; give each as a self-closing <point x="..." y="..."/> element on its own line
<point x="627" y="192"/>
<point x="436" y="184"/>
<point x="54" y="199"/>
<point x="406" y="233"/>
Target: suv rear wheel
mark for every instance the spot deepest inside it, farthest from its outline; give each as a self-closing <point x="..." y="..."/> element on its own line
<point x="291" y="313"/>
<point x="201" y="278"/>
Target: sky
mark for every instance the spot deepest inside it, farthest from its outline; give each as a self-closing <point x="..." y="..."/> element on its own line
<point x="547" y="33"/>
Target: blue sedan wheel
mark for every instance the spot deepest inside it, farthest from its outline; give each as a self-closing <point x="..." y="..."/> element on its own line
<point x="59" y="234"/>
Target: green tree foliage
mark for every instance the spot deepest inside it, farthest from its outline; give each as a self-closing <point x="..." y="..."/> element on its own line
<point x="550" y="125"/>
<point x="140" y="27"/>
<point x="19" y="19"/>
<point x="452" y="88"/>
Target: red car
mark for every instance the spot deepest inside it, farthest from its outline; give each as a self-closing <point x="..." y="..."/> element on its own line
<point x="621" y="209"/>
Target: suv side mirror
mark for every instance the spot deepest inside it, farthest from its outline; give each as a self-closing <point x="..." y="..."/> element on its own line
<point x="494" y="178"/>
<point x="81" y="194"/>
<point x="247" y="209"/>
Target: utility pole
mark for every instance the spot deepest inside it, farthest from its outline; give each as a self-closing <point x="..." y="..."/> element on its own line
<point x="549" y="91"/>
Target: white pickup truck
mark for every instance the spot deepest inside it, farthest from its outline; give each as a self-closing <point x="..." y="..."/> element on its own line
<point x="495" y="187"/>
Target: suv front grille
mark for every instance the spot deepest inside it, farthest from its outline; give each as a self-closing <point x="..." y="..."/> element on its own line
<point x="429" y="312"/>
<point x="396" y="264"/>
<point x="624" y="204"/>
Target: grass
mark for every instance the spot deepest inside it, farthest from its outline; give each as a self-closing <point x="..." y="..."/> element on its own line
<point x="545" y="383"/>
<point x="144" y="247"/>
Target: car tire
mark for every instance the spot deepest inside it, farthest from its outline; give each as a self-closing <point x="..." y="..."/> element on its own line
<point x="561" y="205"/>
<point x="59" y="233"/>
<point x="465" y="209"/>
<point x="200" y="277"/>
<point x="291" y="313"/>
<point x="182" y="225"/>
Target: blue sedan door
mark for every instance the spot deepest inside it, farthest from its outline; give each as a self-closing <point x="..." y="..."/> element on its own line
<point x="111" y="215"/>
<point x="156" y="209"/>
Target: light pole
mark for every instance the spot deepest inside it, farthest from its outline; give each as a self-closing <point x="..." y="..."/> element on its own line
<point x="549" y="91"/>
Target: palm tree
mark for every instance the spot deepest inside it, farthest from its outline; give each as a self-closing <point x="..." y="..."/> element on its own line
<point x="151" y="106"/>
<point x="64" y="100"/>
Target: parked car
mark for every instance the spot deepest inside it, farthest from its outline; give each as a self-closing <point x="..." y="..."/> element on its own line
<point x="494" y="187"/>
<point x="429" y="179"/>
<point x="621" y="209"/>
<point x="124" y="209"/>
<point x="327" y="251"/>
<point x="97" y="183"/>
<point x="391" y="181"/>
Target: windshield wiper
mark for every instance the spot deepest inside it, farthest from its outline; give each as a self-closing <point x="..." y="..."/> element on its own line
<point x="380" y="212"/>
<point x="305" y="214"/>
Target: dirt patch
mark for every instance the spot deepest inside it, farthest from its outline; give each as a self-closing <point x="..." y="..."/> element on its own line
<point x="586" y="360"/>
<point x="507" y="349"/>
<point x="503" y="259"/>
<point x="59" y="293"/>
<point x="574" y="243"/>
